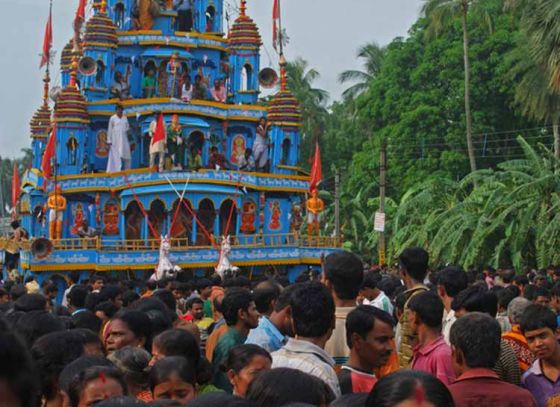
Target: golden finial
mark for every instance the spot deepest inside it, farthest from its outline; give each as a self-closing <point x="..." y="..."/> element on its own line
<point x="74" y="71"/>
<point x="243" y="7"/>
<point x="103" y="8"/>
<point x="283" y="79"/>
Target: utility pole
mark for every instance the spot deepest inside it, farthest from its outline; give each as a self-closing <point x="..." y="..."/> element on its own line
<point x="382" y="191"/>
<point x="337" y="204"/>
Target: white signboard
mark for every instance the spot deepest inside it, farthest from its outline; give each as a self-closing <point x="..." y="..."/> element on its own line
<point x="379" y="223"/>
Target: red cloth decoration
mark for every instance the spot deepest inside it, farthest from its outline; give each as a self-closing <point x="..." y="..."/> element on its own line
<point x="47" y="42"/>
<point x="316" y="169"/>
<point x="15" y="186"/>
<point x="81" y="12"/>
<point x="159" y="134"/>
<point x="50" y="152"/>
<point x="275" y="21"/>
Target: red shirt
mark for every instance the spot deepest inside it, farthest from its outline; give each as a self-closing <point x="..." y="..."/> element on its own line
<point x="355" y="381"/>
<point x="482" y="388"/>
<point x="434" y="358"/>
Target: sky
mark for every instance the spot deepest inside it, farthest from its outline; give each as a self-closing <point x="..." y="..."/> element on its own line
<point x="327" y="33"/>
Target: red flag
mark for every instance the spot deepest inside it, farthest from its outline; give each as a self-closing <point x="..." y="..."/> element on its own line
<point x="15" y="186"/>
<point x="316" y="169"/>
<point x="50" y="152"/>
<point x="81" y="12"/>
<point x="159" y="134"/>
<point x="47" y="42"/>
<point x="275" y="23"/>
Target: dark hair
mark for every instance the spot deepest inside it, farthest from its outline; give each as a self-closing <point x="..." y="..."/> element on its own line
<point x="521" y="280"/>
<point x="281" y="386"/>
<point x="15" y="224"/>
<point x="350" y="400"/>
<point x="235" y="299"/>
<point x="32" y="325"/>
<point x="203" y="283"/>
<point x="193" y="301"/>
<point x="17" y="291"/>
<point x="138" y="323"/>
<point x="345" y="271"/>
<point x="428" y="307"/>
<point x="121" y="401"/>
<point x="97" y="277"/>
<point x="362" y="319"/>
<point x="506" y="295"/>
<point x="51" y="354"/>
<point x="77" y="296"/>
<point x="74" y="368"/>
<point x="284" y="298"/>
<point x="415" y="262"/>
<point x="453" y="279"/>
<point x="178" y="342"/>
<point x="540" y="292"/>
<point x="240" y="356"/>
<point x="133" y="363"/>
<point x="129" y="297"/>
<point x="219" y="399"/>
<point x="312" y="310"/>
<point x="403" y="384"/>
<point x="165" y="368"/>
<point x="167" y="298"/>
<point x="265" y="293"/>
<point x="371" y="279"/>
<point x="30" y="302"/>
<point x="88" y="337"/>
<point x="86" y="320"/>
<point x="79" y="382"/>
<point x="476" y="298"/>
<point x="17" y="369"/>
<point x="508" y="276"/>
<point x="478" y="337"/>
<point x="538" y="316"/>
<point x="109" y="293"/>
<point x="108" y="308"/>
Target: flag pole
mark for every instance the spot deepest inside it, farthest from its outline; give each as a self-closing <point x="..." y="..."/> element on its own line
<point x="280" y="39"/>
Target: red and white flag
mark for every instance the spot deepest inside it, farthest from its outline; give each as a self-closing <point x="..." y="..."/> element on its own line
<point x="80" y="12"/>
<point x="50" y="152"/>
<point x="276" y="24"/>
<point x="47" y="42"/>
<point x="159" y="134"/>
<point x="316" y="169"/>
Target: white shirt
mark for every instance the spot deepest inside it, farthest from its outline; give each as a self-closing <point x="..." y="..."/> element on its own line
<point x="446" y="324"/>
<point x="117" y="136"/>
<point x="382" y="302"/>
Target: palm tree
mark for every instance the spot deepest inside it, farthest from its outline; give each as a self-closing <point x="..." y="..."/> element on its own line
<point x="533" y="94"/>
<point x="373" y="56"/>
<point x="312" y="101"/>
<point x="439" y="13"/>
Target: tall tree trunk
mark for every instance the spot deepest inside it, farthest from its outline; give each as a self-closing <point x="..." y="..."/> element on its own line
<point x="556" y="131"/>
<point x="468" y="115"/>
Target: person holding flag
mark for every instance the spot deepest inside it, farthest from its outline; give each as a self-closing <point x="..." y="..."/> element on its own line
<point x="117" y="139"/>
<point x="315" y="205"/>
<point x="158" y="134"/>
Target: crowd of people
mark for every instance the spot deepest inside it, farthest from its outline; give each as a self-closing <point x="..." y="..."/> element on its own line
<point x="351" y="335"/>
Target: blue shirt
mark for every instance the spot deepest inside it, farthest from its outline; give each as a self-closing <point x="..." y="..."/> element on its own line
<point x="545" y="391"/>
<point x="267" y="336"/>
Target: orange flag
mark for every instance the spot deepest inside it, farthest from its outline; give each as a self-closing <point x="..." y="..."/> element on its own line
<point x="316" y="169"/>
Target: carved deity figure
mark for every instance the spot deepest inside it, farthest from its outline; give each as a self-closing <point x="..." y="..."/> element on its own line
<point x="315" y="207"/>
<point x="57" y="205"/>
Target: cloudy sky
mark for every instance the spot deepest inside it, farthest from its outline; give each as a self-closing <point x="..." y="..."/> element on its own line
<point x="325" y="32"/>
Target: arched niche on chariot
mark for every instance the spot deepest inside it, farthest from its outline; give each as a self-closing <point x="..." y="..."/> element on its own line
<point x="285" y="152"/>
<point x="120" y="15"/>
<point x="246" y="77"/>
<point x="37" y="220"/>
<point x="210" y="19"/>
<point x="150" y="66"/>
<point x="133" y="218"/>
<point x="206" y="215"/>
<point x="228" y="218"/>
<point x="182" y="221"/>
<point x="100" y="75"/>
<point x="156" y="217"/>
<point x="196" y="140"/>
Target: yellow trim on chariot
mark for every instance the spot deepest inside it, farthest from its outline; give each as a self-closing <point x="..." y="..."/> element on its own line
<point x="138" y="32"/>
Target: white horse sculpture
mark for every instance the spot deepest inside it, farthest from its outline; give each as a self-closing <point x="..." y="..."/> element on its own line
<point x="165" y="268"/>
<point x="224" y="266"/>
